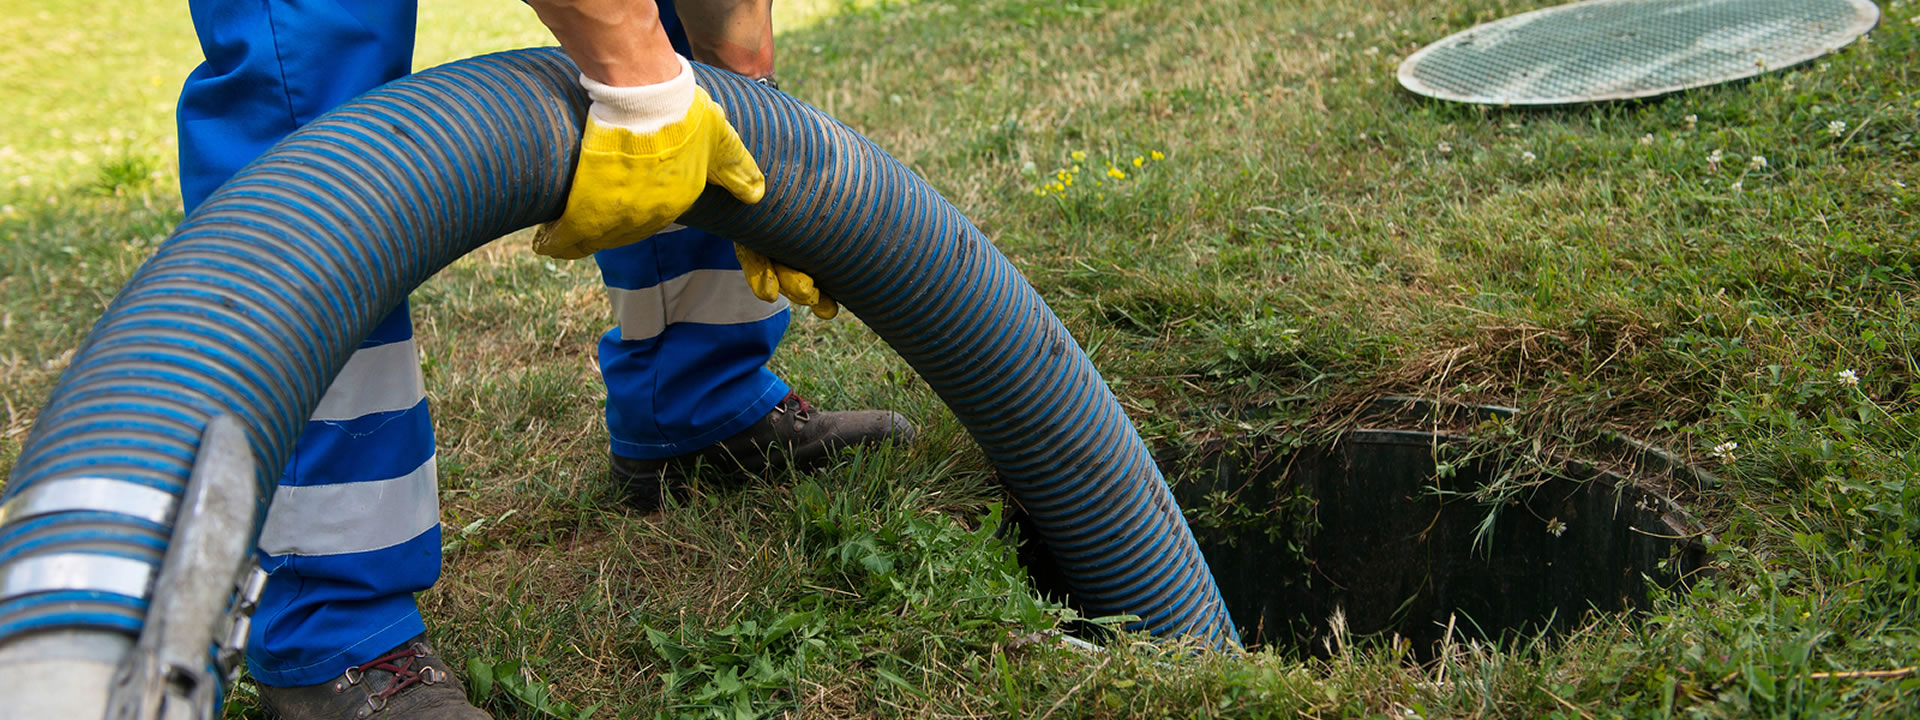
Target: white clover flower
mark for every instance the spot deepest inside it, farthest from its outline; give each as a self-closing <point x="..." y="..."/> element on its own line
<point x="1713" y="158"/>
<point x="1646" y="139"/>
<point x="1848" y="378"/>
<point x="1371" y="50"/>
<point x="1445" y="147"/>
<point x="1527" y="157"/>
<point x="1724" y="451"/>
<point x="1757" y="163"/>
<point x="1737" y="186"/>
<point x="1837" y="128"/>
<point x="1692" y="120"/>
<point x="1556" y="528"/>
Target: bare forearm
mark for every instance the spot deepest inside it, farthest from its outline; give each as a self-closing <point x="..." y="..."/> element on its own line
<point x="732" y="34"/>
<point x="617" y="42"/>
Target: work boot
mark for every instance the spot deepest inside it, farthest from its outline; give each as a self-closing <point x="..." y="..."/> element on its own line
<point x="793" y="435"/>
<point x="409" y="681"/>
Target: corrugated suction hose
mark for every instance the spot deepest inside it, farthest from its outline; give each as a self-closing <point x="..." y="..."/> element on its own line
<point x="258" y="299"/>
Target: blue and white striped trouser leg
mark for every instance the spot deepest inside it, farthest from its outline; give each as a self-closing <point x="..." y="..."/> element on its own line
<point x="353" y="531"/>
<point x="686" y="367"/>
<point x="687" y="370"/>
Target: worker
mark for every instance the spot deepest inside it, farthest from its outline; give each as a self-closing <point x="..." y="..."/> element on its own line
<point x="353" y="531"/>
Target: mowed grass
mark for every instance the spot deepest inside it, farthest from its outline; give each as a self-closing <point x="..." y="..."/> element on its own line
<point x="1298" y="237"/>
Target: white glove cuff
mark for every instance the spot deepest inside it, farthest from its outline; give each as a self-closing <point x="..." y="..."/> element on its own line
<point x="644" y="109"/>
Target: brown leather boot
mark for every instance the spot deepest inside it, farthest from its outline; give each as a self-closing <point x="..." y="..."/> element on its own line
<point x="409" y="681"/>
<point x="793" y="435"/>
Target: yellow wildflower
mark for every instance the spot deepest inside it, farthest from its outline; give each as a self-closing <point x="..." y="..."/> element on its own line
<point x="1057" y="187"/>
<point x="1157" y="156"/>
<point x="1114" y="172"/>
<point x="1039" y="191"/>
<point x="1078" y="156"/>
<point x="1138" y="161"/>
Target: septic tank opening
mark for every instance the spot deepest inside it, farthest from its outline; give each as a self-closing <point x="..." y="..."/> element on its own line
<point x="1405" y="525"/>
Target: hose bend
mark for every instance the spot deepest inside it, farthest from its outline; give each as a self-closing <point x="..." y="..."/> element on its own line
<point x="257" y="300"/>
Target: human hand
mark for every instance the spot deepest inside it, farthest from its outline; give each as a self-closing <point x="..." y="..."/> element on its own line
<point x="770" y="279"/>
<point x="647" y="154"/>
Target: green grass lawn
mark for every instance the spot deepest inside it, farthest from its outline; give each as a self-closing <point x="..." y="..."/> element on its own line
<point x="1294" y="237"/>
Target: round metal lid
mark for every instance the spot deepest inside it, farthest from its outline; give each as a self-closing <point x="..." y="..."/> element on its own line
<point x="1621" y="49"/>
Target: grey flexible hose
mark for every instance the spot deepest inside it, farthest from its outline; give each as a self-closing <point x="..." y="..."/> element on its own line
<point x="257" y="300"/>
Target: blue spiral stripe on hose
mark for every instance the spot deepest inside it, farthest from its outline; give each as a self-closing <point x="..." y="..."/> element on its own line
<point x="1034" y="461"/>
<point x="111" y="407"/>
<point x="976" y="379"/>
<point x="87" y="531"/>
<point x="135" y="366"/>
<point x="165" y="336"/>
<point x="258" y="299"/>
<point x="70" y="608"/>
<point x="113" y="544"/>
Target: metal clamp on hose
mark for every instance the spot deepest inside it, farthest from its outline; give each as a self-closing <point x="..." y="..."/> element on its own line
<point x="91" y="494"/>
<point x="170" y="673"/>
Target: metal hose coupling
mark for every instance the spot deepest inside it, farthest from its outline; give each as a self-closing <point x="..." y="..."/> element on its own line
<point x="170" y="674"/>
<point x="207" y="587"/>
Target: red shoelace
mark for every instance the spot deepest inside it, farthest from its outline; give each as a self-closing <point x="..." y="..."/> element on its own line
<point x="401" y="663"/>
<point x="806" y="408"/>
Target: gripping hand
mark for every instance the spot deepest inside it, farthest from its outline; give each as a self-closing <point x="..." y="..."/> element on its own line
<point x="768" y="278"/>
<point x="647" y="154"/>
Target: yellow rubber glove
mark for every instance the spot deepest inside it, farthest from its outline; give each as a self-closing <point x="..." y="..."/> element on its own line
<point x="646" y="156"/>
<point x="770" y="279"/>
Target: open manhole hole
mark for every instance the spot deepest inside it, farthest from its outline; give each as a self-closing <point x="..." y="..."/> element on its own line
<point x="1407" y="525"/>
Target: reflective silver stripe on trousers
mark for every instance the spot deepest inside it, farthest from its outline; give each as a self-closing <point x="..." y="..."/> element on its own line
<point x="711" y="297"/>
<point x="351" y="517"/>
<point x="77" y="571"/>
<point x="95" y="494"/>
<point x="383" y="378"/>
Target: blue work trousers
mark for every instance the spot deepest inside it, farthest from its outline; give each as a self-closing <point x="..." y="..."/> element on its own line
<point x="353" y="531"/>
